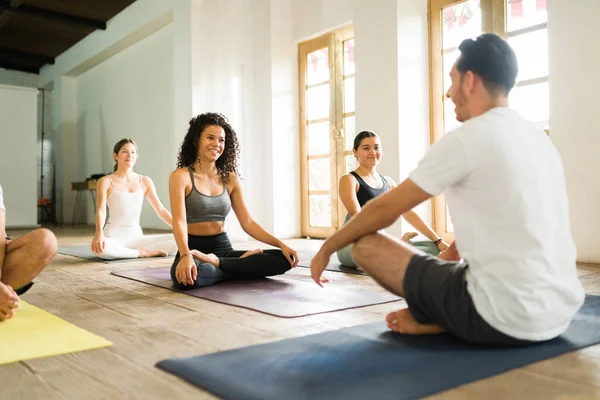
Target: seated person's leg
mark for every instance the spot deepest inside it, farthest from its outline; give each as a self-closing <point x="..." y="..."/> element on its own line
<point x="160" y="245"/>
<point x="116" y="249"/>
<point x="438" y="300"/>
<point x="426" y="246"/>
<point x="26" y="256"/>
<point x="345" y="257"/>
<point x="238" y="265"/>
<point x="208" y="275"/>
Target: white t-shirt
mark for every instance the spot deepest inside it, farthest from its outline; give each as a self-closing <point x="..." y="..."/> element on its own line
<point x="505" y="187"/>
<point x="2" y="200"/>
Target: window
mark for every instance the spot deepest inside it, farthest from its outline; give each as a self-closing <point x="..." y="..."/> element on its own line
<point x="524" y="24"/>
<point x="326" y="88"/>
<point x="527" y="33"/>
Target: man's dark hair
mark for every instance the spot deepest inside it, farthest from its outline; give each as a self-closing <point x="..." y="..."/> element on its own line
<point x="492" y="58"/>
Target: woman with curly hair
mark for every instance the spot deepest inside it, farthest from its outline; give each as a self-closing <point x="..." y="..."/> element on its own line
<point x="203" y="190"/>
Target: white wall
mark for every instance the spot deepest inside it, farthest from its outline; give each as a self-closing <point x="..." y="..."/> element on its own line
<point x="18" y="174"/>
<point x="284" y="149"/>
<point x="130" y="96"/>
<point x="574" y="54"/>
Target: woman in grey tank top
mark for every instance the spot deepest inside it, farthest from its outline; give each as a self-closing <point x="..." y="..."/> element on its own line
<point x="203" y="189"/>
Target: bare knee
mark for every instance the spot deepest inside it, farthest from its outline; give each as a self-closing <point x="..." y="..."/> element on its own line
<point x="363" y="248"/>
<point x="45" y="244"/>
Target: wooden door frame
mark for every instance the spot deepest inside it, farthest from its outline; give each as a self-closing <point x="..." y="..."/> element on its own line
<point x="332" y="40"/>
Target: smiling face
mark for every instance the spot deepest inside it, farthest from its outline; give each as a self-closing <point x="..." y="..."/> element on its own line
<point x="456" y="93"/>
<point x="126" y="156"/>
<point x="369" y="152"/>
<point x="212" y="143"/>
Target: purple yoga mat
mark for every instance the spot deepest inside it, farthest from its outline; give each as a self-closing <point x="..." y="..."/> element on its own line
<point x="282" y="296"/>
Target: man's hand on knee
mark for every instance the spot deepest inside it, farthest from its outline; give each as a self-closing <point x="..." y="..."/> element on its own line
<point x="9" y="302"/>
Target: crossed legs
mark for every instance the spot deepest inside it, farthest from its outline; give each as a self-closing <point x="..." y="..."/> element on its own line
<point x="26" y="256"/>
<point x="386" y="259"/>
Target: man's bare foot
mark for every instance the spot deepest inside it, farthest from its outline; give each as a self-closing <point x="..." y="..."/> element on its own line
<point x="152" y="253"/>
<point x="402" y="321"/>
<point x="251" y="253"/>
<point x="408" y="235"/>
<point x="205" y="258"/>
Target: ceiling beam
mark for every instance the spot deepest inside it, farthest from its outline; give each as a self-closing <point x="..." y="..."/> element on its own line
<point x="25" y="9"/>
<point x="9" y="65"/>
<point x="34" y="58"/>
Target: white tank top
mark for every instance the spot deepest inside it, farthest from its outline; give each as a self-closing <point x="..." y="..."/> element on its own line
<point x="125" y="208"/>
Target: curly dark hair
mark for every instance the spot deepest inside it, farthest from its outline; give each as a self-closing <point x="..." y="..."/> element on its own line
<point x="188" y="152"/>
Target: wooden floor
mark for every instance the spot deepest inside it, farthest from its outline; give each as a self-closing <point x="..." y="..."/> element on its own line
<point x="148" y="324"/>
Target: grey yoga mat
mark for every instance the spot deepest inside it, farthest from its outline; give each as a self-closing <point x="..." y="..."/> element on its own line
<point x="368" y="361"/>
<point x="86" y="253"/>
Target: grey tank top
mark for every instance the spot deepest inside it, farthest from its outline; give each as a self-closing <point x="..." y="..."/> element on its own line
<point x="202" y="208"/>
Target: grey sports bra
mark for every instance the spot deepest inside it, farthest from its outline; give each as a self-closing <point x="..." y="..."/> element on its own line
<point x="202" y="208"/>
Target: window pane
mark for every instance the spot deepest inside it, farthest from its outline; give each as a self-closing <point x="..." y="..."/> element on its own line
<point x="532" y="54"/>
<point x="317" y="102"/>
<point x="319" y="177"/>
<point x="524" y="13"/>
<point x="448" y="61"/>
<point x="450" y="122"/>
<point x="318" y="138"/>
<point x="317" y="69"/>
<point x="349" y="57"/>
<point x="320" y="210"/>
<point x="532" y="102"/>
<point x="349" y="132"/>
<point x="348" y="95"/>
<point x="460" y="21"/>
<point x="351" y="164"/>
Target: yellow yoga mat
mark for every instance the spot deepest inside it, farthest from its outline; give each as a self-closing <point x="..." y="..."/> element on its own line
<point x="35" y="333"/>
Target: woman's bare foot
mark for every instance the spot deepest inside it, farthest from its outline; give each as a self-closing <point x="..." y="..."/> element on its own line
<point x="152" y="253"/>
<point x="408" y="235"/>
<point x="205" y="258"/>
<point x="450" y="254"/>
<point x="402" y="321"/>
<point x="251" y="253"/>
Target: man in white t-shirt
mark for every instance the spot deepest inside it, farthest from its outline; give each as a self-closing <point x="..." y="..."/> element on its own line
<point x="21" y="260"/>
<point x="503" y="180"/>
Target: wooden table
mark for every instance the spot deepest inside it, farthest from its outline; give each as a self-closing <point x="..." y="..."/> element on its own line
<point x="80" y="187"/>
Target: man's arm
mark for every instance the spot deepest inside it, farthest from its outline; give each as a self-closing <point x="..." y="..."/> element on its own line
<point x="377" y="214"/>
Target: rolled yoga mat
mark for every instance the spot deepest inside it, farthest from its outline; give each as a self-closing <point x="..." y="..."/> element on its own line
<point x="283" y="296"/>
<point x="35" y="333"/>
<point x="86" y="253"/>
<point x="369" y="361"/>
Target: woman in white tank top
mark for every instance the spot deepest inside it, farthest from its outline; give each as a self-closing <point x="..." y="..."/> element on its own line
<point x="123" y="192"/>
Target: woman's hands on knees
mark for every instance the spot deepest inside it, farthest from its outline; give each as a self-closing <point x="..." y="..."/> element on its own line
<point x="186" y="271"/>
<point x="290" y="254"/>
<point x="9" y="302"/>
<point x="98" y="242"/>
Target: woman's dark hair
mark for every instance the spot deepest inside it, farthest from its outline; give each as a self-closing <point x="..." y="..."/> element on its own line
<point x="492" y="58"/>
<point x="362" y="135"/>
<point x="188" y="153"/>
<point x="117" y="148"/>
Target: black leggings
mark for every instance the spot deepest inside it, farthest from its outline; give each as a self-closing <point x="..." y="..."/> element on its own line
<point x="231" y="266"/>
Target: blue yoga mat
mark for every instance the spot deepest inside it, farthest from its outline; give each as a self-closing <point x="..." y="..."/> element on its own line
<point x="368" y="361"/>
